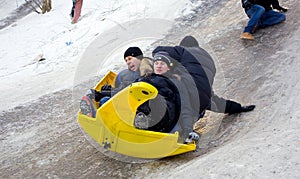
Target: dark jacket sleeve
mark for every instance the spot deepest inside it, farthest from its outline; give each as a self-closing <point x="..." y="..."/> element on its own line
<point x="195" y="70"/>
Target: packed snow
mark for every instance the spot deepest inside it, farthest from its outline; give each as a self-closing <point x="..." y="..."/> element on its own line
<point x="52" y="36"/>
<point x="45" y="55"/>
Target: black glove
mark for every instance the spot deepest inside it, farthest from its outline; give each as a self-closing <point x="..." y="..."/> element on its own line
<point x="106" y="90"/>
<point x="106" y="87"/>
<point x="283" y="9"/>
<point x="247" y="108"/>
<point x="95" y="95"/>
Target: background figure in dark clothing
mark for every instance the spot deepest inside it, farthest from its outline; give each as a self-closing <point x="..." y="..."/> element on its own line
<point x="261" y="15"/>
<point x="73" y="7"/>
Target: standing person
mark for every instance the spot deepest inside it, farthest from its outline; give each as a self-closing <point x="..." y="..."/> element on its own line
<point x="77" y="10"/>
<point x="261" y="15"/>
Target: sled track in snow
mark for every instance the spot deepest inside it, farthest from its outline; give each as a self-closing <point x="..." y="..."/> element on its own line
<point x="19" y="13"/>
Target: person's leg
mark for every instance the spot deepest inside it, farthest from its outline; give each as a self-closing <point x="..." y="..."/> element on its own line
<point x="254" y="13"/>
<point x="73" y="7"/>
<point x="270" y="18"/>
<point x="77" y="11"/>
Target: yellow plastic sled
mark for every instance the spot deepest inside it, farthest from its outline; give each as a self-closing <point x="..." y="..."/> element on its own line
<point x="113" y="128"/>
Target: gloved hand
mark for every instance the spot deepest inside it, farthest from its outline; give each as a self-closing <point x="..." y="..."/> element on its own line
<point x="106" y="90"/>
<point x="95" y="95"/>
<point x="106" y="87"/>
<point x="283" y="9"/>
<point x="247" y="108"/>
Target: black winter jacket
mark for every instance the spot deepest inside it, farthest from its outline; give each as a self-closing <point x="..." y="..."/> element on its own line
<point x="173" y="103"/>
<point x="195" y="69"/>
<point x="201" y="67"/>
<point x="165" y="108"/>
<point x="264" y="3"/>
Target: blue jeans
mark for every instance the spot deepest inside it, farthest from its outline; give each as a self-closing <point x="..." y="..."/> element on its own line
<point x="261" y="18"/>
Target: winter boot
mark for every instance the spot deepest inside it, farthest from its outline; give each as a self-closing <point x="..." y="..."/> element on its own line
<point x="247" y="36"/>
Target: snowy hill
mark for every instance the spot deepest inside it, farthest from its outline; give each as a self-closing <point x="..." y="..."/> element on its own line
<point x="53" y="37"/>
<point x="40" y="136"/>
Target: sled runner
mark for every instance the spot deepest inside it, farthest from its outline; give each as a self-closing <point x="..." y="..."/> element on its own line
<point x="113" y="125"/>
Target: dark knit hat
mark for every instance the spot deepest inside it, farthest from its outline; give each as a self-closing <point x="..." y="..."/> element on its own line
<point x="135" y="52"/>
<point x="163" y="56"/>
<point x="189" y="41"/>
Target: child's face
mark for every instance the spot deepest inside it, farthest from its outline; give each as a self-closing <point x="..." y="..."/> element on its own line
<point x="160" y="67"/>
